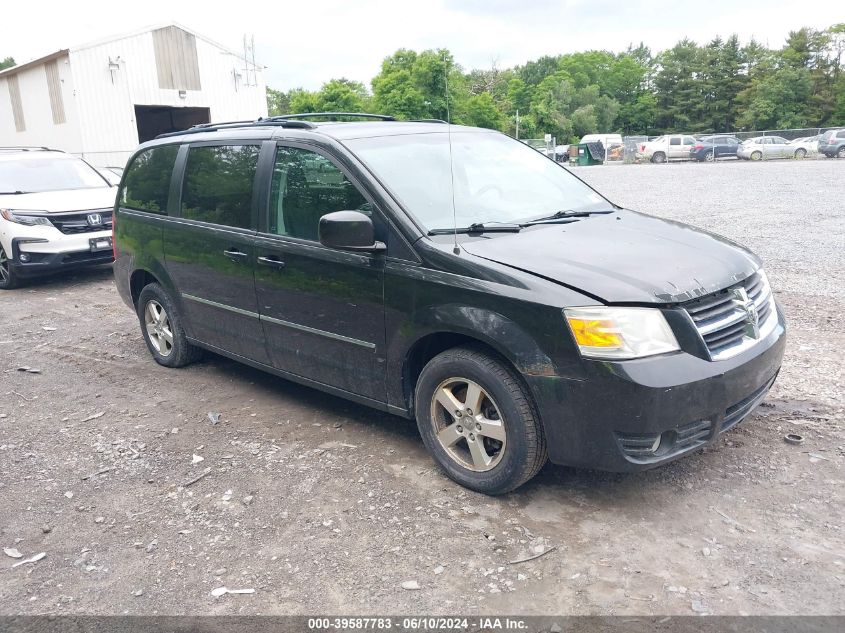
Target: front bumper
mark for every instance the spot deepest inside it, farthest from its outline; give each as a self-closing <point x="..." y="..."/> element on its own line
<point x="635" y="415"/>
<point x="45" y="256"/>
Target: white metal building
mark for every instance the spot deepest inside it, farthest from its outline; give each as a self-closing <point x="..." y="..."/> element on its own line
<point x="101" y="99"/>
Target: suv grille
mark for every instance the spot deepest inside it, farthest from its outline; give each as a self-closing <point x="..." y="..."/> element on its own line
<point x="71" y="223"/>
<point x="733" y="319"/>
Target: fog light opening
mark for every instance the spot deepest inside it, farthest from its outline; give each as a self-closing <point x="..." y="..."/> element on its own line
<point x="656" y="444"/>
<point x="24" y="257"/>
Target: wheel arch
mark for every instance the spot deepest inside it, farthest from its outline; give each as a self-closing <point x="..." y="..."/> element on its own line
<point x="522" y="354"/>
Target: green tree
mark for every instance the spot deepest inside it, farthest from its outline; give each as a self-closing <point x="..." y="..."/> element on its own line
<point x="480" y="110"/>
<point x="7" y="63"/>
<point x="278" y="102"/>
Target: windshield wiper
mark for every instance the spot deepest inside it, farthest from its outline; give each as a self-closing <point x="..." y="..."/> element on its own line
<point x="567" y="213"/>
<point x="480" y="227"/>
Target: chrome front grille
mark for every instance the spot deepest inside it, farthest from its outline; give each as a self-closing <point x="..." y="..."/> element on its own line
<point x="72" y="223"/>
<point x="732" y="320"/>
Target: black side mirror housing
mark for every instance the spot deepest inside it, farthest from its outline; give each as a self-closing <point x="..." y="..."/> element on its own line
<point x="349" y="231"/>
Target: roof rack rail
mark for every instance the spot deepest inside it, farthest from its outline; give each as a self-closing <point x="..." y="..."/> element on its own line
<point x="357" y="115"/>
<point x="428" y="121"/>
<point x="231" y="125"/>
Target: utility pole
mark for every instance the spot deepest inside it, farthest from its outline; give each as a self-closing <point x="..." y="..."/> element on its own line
<point x="517" y="124"/>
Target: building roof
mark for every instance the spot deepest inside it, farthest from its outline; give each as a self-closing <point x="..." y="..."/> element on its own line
<point x="60" y="53"/>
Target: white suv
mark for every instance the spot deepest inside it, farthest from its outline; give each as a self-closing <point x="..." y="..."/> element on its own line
<point x="55" y="213"/>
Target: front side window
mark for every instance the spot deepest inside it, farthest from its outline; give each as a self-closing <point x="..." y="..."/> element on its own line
<point x="218" y="184"/>
<point x="147" y="182"/>
<point x="305" y="187"/>
<point x="496" y="178"/>
<point x="46" y="172"/>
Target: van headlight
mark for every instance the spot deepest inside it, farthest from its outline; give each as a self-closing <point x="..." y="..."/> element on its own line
<point x="24" y="218"/>
<point x="620" y="333"/>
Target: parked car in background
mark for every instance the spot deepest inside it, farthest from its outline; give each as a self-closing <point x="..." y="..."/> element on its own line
<point x="55" y="213"/>
<point x="666" y="148"/>
<point x="832" y="143"/>
<point x="767" y="147"/>
<point x="710" y="148"/>
<point x="314" y="252"/>
<point x="805" y="146"/>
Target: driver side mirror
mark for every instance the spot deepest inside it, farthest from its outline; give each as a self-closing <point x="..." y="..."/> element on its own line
<point x="349" y="231"/>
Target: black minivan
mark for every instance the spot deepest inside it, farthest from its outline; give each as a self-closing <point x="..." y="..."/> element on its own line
<point x="448" y="274"/>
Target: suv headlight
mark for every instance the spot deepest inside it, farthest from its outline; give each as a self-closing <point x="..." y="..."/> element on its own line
<point x="24" y="218"/>
<point x="620" y="333"/>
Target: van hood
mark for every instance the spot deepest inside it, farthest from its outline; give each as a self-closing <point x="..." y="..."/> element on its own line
<point x="62" y="201"/>
<point x="623" y="257"/>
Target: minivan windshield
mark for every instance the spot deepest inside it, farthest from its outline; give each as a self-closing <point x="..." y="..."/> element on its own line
<point x="496" y="178"/>
<point x="48" y="173"/>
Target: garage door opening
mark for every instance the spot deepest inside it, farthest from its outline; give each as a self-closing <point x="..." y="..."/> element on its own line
<point x="155" y="120"/>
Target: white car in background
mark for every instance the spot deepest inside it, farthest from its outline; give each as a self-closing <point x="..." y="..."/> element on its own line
<point x="55" y="213"/>
<point x="806" y="146"/>
<point x="667" y="147"/>
<point x="769" y="147"/>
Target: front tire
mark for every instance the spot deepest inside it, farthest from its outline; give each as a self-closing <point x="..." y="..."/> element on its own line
<point x="161" y="325"/>
<point x="8" y="278"/>
<point x="478" y="421"/>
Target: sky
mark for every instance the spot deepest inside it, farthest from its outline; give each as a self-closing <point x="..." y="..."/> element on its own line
<point x="304" y="44"/>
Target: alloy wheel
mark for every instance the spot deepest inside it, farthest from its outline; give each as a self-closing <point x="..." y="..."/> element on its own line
<point x="158" y="327"/>
<point x="4" y="267"/>
<point x="841" y="152"/>
<point x="709" y="157"/>
<point x="800" y="153"/>
<point x="468" y="425"/>
<point x="756" y="155"/>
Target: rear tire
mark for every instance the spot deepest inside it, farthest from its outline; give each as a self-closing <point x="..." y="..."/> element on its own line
<point x="756" y="155"/>
<point x="161" y="325"/>
<point x="800" y="153"/>
<point x="8" y="278"/>
<point x="658" y="157"/>
<point x="710" y="157"/>
<point x="841" y="152"/>
<point x="489" y="438"/>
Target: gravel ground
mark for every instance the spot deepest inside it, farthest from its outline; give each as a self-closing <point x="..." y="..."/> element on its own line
<point x="323" y="506"/>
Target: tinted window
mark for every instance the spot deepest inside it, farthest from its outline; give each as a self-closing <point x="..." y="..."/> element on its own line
<point x="218" y="184"/>
<point x="305" y="187"/>
<point x="689" y="140"/>
<point x="840" y="134"/>
<point x="147" y="183"/>
<point x="674" y="141"/>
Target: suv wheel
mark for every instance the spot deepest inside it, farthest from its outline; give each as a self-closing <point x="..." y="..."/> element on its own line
<point x="478" y="422"/>
<point x="8" y="279"/>
<point x="710" y="156"/>
<point x="841" y="152"/>
<point x="658" y="157"/>
<point x="161" y="325"/>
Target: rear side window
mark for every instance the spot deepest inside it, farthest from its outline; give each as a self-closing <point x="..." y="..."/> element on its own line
<point x="218" y="184"/>
<point x="305" y="187"/>
<point x="674" y="141"/>
<point x="840" y="134"/>
<point x="147" y="183"/>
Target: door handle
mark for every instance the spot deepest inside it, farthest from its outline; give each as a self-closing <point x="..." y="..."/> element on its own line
<point x="235" y="255"/>
<point x="271" y="261"/>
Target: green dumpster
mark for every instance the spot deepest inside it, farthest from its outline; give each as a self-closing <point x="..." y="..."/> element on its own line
<point x="586" y="157"/>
